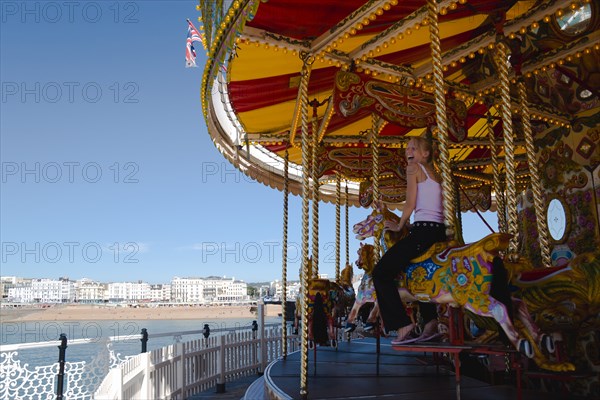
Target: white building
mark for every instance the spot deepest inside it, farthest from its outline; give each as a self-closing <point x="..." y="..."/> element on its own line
<point x="292" y="289"/>
<point x="160" y="292"/>
<point x="44" y="290"/>
<point x="20" y="293"/>
<point x="187" y="290"/>
<point x="211" y="290"/>
<point x="128" y="291"/>
<point x="88" y="291"/>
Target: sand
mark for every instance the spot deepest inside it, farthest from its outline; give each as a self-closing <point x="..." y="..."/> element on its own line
<point x="77" y="312"/>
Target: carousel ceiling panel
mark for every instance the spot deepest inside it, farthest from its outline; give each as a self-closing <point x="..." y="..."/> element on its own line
<point x="559" y="61"/>
<point x="271" y="119"/>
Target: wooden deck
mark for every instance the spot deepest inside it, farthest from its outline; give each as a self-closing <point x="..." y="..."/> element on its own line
<point x="352" y="372"/>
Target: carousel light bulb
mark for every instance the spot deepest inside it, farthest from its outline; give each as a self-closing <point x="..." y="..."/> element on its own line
<point x="546" y="19"/>
<point x="559" y="13"/>
<point x="372" y="17"/>
<point x="408" y="31"/>
<point x="366" y="21"/>
<point x="523" y="30"/>
<point x="386" y="6"/>
<point x="379" y="11"/>
<point x="353" y="31"/>
<point x="443" y="11"/>
<point x="453" y="6"/>
<point x="393" y="40"/>
<point x="394" y="2"/>
<point x="417" y="27"/>
<point x="359" y="27"/>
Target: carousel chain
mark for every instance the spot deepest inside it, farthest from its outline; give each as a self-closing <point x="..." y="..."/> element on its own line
<point x="442" y="123"/>
<point x="315" y="196"/>
<point x="338" y="231"/>
<point x="509" y="150"/>
<point x="536" y="183"/>
<point x="284" y="252"/>
<point x="376" y="194"/>
<point x="305" y="74"/>
<point x="500" y="200"/>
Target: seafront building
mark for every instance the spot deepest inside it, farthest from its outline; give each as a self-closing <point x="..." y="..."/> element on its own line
<point x="210" y="290"/>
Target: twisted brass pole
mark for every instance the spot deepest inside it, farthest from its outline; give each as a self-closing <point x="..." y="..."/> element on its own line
<point x="338" y="231"/>
<point x="305" y="76"/>
<point x="498" y="189"/>
<point x="536" y="181"/>
<point x="284" y="254"/>
<point x="376" y="194"/>
<point x="315" y="196"/>
<point x="442" y="124"/>
<point x="347" y="227"/>
<point x="509" y="150"/>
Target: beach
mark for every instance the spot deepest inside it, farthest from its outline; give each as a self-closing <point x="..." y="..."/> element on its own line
<point x="80" y="312"/>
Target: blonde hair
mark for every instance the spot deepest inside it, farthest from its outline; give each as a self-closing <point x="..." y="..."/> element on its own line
<point x="424" y="145"/>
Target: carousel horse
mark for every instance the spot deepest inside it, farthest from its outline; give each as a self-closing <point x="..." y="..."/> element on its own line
<point x="328" y="303"/>
<point x="471" y="276"/>
<point x="365" y="296"/>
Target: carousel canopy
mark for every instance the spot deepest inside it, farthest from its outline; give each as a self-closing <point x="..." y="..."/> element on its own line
<point x="374" y="58"/>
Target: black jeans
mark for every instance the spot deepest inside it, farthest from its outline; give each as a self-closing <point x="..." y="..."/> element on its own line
<point x="422" y="235"/>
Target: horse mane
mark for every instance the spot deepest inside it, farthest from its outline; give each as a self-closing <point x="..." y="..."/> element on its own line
<point x="366" y="258"/>
<point x="346" y="276"/>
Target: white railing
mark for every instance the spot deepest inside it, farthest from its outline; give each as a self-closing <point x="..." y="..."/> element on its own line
<point x="181" y="370"/>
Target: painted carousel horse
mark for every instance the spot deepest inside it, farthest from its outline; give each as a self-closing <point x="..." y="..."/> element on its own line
<point x="471" y="276"/>
<point x="365" y="296"/>
<point x="328" y="303"/>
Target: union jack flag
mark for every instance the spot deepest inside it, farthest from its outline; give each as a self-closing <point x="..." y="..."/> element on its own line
<point x="190" y="53"/>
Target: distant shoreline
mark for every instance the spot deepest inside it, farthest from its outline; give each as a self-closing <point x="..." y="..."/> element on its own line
<point x="89" y="312"/>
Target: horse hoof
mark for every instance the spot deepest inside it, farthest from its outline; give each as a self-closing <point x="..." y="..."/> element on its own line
<point x="334" y="343"/>
<point x="526" y="348"/>
<point x="311" y="344"/>
<point x="547" y="342"/>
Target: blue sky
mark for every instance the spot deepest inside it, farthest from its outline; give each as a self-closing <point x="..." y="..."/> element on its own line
<point x="108" y="171"/>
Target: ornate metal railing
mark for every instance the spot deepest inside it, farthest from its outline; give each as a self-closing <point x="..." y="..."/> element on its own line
<point x="181" y="370"/>
<point x="219" y="355"/>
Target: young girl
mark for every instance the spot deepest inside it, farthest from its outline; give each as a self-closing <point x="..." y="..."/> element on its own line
<point x="424" y="197"/>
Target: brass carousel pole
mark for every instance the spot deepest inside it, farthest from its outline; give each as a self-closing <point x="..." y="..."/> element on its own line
<point x="338" y="196"/>
<point x="347" y="226"/>
<point x="442" y="124"/>
<point x="307" y="61"/>
<point x="509" y="150"/>
<point x="536" y="182"/>
<point x="284" y="255"/>
<point x="315" y="193"/>
<point x="498" y="189"/>
<point x="376" y="195"/>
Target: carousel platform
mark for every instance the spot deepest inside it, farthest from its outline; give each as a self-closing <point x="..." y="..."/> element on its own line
<point x="354" y="371"/>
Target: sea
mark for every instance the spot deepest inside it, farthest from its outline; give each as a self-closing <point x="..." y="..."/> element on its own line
<point x="96" y="331"/>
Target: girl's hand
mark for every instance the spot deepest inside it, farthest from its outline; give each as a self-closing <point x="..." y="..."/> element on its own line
<point x="391" y="226"/>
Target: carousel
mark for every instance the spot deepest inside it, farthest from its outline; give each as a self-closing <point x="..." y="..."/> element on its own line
<point x="320" y="98"/>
